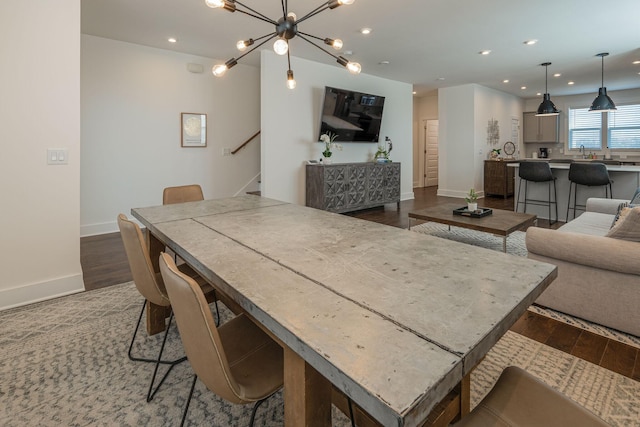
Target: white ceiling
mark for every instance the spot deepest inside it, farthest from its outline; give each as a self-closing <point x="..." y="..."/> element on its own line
<point x="429" y="43"/>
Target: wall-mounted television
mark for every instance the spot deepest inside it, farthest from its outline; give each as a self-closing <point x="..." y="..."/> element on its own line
<point x="352" y="116"/>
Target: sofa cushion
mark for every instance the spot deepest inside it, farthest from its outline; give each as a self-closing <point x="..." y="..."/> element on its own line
<point x="593" y="223"/>
<point x="628" y="225"/>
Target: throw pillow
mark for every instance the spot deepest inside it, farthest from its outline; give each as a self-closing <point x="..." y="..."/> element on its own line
<point x="617" y="217"/>
<point x="628" y="226"/>
<point x="635" y="200"/>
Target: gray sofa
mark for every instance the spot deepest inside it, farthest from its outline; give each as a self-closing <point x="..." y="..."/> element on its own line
<point x="598" y="277"/>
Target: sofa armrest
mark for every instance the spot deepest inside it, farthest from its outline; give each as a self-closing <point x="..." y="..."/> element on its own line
<point x="594" y="251"/>
<point x="605" y="206"/>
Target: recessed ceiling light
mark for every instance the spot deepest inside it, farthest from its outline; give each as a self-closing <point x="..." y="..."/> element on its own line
<point x="440" y="78"/>
<point x="636" y="62"/>
<point x="538" y="94"/>
<point x="523" y="87"/>
<point x="172" y="40"/>
<point x="484" y="52"/>
<point x="347" y="52"/>
<point x="415" y="93"/>
<point x="505" y="81"/>
<point x="557" y="75"/>
<point x="384" y="62"/>
<point x="365" y="31"/>
<point x="530" y="42"/>
<point x="571" y="83"/>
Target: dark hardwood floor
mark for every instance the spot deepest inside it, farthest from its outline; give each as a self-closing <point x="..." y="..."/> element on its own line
<point x="104" y="263"/>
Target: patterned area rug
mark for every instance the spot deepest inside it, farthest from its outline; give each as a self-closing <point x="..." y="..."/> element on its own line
<point x="64" y="362"/>
<point x="515" y="241"/>
<point x="516" y="246"/>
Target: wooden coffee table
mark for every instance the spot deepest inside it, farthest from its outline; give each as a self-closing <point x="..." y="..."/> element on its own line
<point x="500" y="222"/>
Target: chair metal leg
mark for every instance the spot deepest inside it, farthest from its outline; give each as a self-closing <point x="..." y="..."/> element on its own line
<point x="518" y="195"/>
<point x="135" y="333"/>
<point x="555" y="197"/>
<point x="255" y="409"/>
<point x="526" y="191"/>
<point x="151" y="393"/>
<point x="569" y="202"/>
<point x="186" y="405"/>
<point x="353" y="421"/>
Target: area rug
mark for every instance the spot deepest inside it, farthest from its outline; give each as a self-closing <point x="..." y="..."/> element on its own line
<point x="516" y="246"/>
<point x="64" y="362"/>
<point x="515" y="241"/>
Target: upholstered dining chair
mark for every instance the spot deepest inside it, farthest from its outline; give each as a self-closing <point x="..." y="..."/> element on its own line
<point x="519" y="399"/>
<point x="151" y="287"/>
<point x="237" y="361"/>
<point x="182" y="194"/>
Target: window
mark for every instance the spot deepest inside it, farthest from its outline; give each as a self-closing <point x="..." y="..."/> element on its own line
<point x="584" y="129"/>
<point x="620" y="129"/>
<point x="623" y="128"/>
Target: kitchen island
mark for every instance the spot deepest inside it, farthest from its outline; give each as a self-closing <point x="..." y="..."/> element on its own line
<point x="626" y="179"/>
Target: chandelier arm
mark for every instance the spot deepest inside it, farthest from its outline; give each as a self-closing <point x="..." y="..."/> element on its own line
<point x="255" y="13"/>
<point x="284" y="9"/>
<point x="319" y="47"/>
<point x="314" y="12"/>
<point x="266" y="35"/>
<point x="310" y="35"/>
<point x="288" y="56"/>
<point x="273" y="35"/>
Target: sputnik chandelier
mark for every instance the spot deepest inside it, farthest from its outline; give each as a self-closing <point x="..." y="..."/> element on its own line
<point x="286" y="29"/>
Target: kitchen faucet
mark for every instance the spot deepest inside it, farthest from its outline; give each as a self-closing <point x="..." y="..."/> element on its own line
<point x="582" y="151"/>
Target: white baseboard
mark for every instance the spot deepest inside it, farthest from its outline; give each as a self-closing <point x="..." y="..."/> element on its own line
<point x="35" y="292"/>
<point x="407" y="196"/>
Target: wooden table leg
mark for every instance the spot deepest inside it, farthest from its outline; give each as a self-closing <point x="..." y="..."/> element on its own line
<point x="156" y="314"/>
<point x="465" y="395"/>
<point x="307" y="394"/>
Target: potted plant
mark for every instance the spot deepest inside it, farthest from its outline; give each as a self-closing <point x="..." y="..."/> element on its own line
<point x="495" y="154"/>
<point x="329" y="144"/>
<point x="472" y="200"/>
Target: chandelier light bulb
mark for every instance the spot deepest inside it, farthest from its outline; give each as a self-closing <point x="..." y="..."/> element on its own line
<point x="346" y="1"/>
<point x="292" y="16"/>
<point x="242" y="45"/>
<point x="219" y="70"/>
<point x="336" y="44"/>
<point x="214" y="3"/>
<point x="291" y="82"/>
<point x="354" y="67"/>
<point x="281" y="47"/>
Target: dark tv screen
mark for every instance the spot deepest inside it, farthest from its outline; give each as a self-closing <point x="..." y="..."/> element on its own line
<point x="352" y="116"/>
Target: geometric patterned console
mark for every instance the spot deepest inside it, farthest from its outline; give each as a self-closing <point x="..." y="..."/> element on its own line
<point x="344" y="187"/>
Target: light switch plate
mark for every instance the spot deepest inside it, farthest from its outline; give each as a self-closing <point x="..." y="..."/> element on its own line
<point x="57" y="156"/>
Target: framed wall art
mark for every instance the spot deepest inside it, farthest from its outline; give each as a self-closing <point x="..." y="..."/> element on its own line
<point x="193" y="130"/>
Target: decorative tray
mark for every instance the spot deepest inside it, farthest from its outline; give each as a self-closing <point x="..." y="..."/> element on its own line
<point x="478" y="213"/>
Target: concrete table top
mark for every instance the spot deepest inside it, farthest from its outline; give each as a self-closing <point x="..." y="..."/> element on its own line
<point x="392" y="318"/>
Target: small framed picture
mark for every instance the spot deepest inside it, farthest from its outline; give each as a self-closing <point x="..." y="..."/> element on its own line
<point x="193" y="130"/>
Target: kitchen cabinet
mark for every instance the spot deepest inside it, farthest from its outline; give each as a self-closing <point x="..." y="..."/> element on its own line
<point x="344" y="187"/>
<point x="498" y="178"/>
<point x="540" y="129"/>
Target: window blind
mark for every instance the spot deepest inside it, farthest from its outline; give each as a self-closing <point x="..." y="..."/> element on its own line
<point x="623" y="128"/>
<point x="585" y="129"/>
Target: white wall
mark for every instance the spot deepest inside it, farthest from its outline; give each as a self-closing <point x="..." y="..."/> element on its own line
<point x="464" y="114"/>
<point x="39" y="109"/>
<point x="291" y="120"/>
<point x="132" y="97"/>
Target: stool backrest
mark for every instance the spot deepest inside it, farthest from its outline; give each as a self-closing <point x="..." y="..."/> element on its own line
<point x="535" y="171"/>
<point x="590" y="174"/>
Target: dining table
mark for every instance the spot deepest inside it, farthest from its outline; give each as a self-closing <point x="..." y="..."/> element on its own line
<point x="387" y="318"/>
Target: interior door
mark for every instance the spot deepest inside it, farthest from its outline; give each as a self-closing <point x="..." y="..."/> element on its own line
<point x="431" y="153"/>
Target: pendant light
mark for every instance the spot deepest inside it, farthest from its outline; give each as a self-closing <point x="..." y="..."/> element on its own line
<point x="602" y="101"/>
<point x="546" y="107"/>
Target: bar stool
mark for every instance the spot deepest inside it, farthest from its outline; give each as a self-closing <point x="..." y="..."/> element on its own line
<point x="537" y="172"/>
<point x="590" y="174"/>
